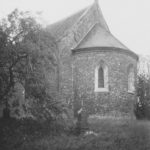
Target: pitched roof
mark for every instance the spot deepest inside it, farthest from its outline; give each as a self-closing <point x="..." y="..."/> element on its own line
<point x="99" y="37"/>
<point x="81" y="25"/>
<point x="58" y="29"/>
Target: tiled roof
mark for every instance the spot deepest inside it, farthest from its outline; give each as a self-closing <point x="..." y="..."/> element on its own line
<point x="59" y="28"/>
<point x="81" y="25"/>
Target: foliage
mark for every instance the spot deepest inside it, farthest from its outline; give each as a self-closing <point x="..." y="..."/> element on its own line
<point x="142" y="107"/>
<point x="29" y="56"/>
<point x="13" y="29"/>
<point x="39" y="71"/>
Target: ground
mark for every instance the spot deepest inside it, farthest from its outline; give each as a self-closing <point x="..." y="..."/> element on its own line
<point x="103" y="134"/>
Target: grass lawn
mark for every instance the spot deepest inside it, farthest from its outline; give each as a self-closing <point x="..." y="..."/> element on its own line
<point x="110" y="134"/>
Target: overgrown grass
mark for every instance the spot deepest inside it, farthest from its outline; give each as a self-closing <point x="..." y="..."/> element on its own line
<point x="112" y="134"/>
<point x="15" y="133"/>
<point x="121" y="134"/>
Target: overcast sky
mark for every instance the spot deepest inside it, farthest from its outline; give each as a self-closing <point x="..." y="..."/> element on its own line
<point x="128" y="20"/>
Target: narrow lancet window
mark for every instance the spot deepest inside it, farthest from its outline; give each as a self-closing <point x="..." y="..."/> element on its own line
<point x="131" y="79"/>
<point x="100" y="78"/>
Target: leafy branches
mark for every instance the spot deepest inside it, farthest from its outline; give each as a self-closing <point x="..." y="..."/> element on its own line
<point x="28" y="56"/>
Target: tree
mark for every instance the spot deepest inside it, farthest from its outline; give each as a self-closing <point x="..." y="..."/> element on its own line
<point x="41" y="74"/>
<point x="142" y="108"/>
<point x="28" y="56"/>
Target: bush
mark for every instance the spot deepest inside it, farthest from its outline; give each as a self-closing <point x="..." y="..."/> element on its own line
<point x="142" y="106"/>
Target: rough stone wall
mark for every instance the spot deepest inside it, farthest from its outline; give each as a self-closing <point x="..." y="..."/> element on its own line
<point x="116" y="102"/>
<point x="70" y="40"/>
<point x="76" y="73"/>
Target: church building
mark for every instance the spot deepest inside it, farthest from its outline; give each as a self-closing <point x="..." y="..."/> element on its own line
<point x="96" y="71"/>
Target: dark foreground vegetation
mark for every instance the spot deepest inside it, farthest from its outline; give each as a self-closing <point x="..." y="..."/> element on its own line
<point x="108" y="134"/>
<point x="142" y="106"/>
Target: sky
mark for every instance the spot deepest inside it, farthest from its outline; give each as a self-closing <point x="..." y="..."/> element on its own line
<point x="128" y="20"/>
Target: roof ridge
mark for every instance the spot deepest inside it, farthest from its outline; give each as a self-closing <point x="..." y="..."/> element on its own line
<point x="84" y="13"/>
<point x="69" y="16"/>
<point x="84" y="36"/>
<point x="86" y="10"/>
<point x="57" y="29"/>
<point x="100" y="15"/>
<point x="63" y="27"/>
<point x="78" y="20"/>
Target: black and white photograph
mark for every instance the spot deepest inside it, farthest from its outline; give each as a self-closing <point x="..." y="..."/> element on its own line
<point x="74" y="75"/>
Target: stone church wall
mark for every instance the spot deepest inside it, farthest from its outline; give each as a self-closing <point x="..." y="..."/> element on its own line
<point x="70" y="39"/>
<point x="117" y="101"/>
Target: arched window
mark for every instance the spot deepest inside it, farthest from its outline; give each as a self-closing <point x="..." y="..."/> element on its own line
<point x="101" y="78"/>
<point x="131" y="79"/>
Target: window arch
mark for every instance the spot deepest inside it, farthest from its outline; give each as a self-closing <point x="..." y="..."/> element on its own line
<point x="131" y="79"/>
<point x="101" y="78"/>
